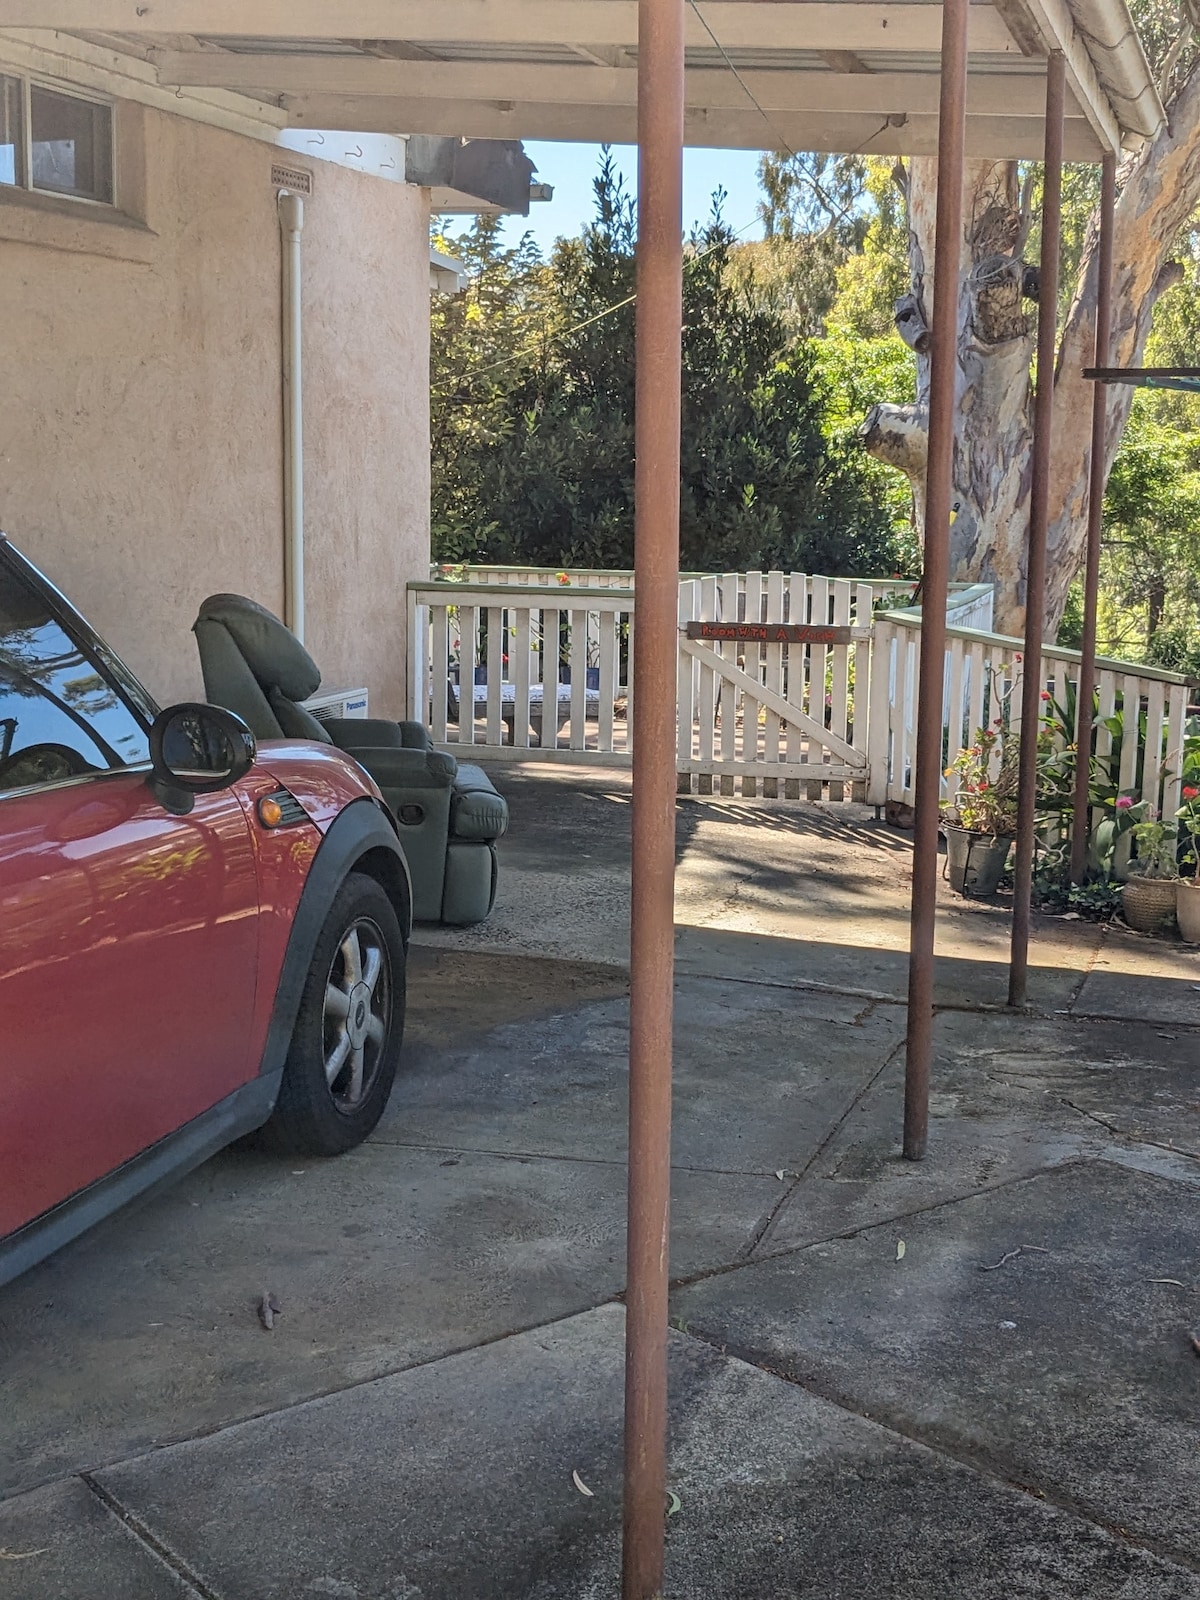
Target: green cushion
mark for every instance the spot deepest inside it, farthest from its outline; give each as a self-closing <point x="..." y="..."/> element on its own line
<point x="476" y="810"/>
<point x="273" y="653"/>
<point x="296" y="722"/>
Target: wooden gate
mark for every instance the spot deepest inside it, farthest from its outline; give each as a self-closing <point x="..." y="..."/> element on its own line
<point x="769" y="666"/>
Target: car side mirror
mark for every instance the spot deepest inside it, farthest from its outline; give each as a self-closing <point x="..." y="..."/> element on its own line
<point x="197" y="749"/>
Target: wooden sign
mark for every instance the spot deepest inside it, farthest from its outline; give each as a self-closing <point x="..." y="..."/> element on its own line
<point x="771" y="633"/>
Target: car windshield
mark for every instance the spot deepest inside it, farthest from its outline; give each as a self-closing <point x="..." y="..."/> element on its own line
<point x="60" y="715"/>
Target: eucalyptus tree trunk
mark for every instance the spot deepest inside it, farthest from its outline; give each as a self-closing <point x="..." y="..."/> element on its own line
<point x="1159" y="188"/>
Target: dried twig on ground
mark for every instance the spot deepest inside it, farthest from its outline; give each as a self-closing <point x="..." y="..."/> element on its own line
<point x="1010" y="1255"/>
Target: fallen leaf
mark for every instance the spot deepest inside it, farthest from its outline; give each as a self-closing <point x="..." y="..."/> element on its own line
<point x="1008" y="1325"/>
<point x="900" y="1250"/>
<point x="1174" y="1282"/>
<point x="1168" y="1036"/>
<point x="781" y="1174"/>
<point x="674" y="1503"/>
<point x="582" y="1487"/>
<point x="1195" y="1344"/>
<point x="22" y="1555"/>
<point x="268" y="1309"/>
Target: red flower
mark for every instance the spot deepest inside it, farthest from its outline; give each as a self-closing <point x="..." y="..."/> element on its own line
<point x="1045" y="694"/>
<point x="1190" y="793"/>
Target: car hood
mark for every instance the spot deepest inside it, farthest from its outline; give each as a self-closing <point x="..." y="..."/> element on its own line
<point x="324" y="780"/>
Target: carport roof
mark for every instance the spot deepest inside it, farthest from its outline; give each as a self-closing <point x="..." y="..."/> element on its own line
<point x="857" y="75"/>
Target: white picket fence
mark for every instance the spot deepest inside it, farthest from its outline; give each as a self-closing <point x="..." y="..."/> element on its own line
<point x="523" y="671"/>
<point x="982" y="673"/>
<point x="520" y="665"/>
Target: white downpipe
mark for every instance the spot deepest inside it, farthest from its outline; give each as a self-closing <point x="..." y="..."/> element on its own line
<point x="291" y="224"/>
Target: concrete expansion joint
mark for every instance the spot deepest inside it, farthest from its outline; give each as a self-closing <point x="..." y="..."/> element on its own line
<point x="983" y="1463"/>
<point x="765" y="1225"/>
<point x="1131" y="1135"/>
<point x="1088" y="968"/>
<point x="893" y="1217"/>
<point x="150" y="1543"/>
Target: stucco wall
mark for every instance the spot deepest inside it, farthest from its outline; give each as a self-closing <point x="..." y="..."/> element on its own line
<point x="140" y="413"/>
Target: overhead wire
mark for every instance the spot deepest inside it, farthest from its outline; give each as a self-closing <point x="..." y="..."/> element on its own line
<point x="780" y="143"/>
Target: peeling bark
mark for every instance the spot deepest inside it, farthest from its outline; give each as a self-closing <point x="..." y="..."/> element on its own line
<point x="1160" y="188"/>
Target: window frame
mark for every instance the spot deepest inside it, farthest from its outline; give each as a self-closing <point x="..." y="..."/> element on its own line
<point x="28" y="81"/>
<point x="137" y="701"/>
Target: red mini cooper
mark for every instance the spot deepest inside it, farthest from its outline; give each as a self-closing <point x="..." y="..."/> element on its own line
<point x="197" y="938"/>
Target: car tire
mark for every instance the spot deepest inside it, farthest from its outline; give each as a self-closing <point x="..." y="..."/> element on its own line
<point x="349" y="1027"/>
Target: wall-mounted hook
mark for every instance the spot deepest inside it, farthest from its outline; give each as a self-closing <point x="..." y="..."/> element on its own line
<point x="320" y="139"/>
<point x="357" y="151"/>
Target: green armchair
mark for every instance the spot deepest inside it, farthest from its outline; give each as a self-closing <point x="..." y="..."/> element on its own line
<point x="449" y="815"/>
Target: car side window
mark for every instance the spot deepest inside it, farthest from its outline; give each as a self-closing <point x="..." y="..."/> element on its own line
<point x="60" y="715"/>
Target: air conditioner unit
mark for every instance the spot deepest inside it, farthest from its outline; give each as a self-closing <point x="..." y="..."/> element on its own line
<point x="336" y="703"/>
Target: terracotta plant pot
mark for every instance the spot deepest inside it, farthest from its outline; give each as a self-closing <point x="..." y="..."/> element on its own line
<point x="1187" y="908"/>
<point x="976" y="861"/>
<point x="1148" y="904"/>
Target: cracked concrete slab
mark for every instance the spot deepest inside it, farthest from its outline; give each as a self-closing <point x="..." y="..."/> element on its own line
<point x="456" y="1479"/>
<point x="1063" y="1366"/>
<point x="147" y="1330"/>
<point x="760" y="1075"/>
<point x="1146" y="980"/>
<point x="1008" y="1099"/>
<point x="62" y="1541"/>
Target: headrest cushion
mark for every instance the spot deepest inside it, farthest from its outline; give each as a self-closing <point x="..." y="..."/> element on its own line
<point x="272" y="652"/>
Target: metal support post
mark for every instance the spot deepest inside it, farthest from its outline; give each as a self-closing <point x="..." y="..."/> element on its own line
<point x="948" y="241"/>
<point x="1039" y="508"/>
<point x="1091" y="573"/>
<point x="656" y="648"/>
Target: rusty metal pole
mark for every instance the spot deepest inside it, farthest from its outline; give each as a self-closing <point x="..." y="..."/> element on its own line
<point x="1091" y="572"/>
<point x="948" y="239"/>
<point x="656" y="649"/>
<point x="1039" y="509"/>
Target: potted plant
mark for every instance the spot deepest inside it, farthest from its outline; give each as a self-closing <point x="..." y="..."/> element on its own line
<point x="981" y="820"/>
<point x="1150" y="892"/>
<point x="1187" y="890"/>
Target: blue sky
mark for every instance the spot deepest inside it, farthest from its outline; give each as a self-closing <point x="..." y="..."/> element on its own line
<point x="571" y="168"/>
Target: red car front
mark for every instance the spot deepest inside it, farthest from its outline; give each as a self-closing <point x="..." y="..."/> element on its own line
<point x="196" y="940"/>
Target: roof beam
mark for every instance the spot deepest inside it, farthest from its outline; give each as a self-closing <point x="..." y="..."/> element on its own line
<point x="717" y="88"/>
<point x="1051" y="23"/>
<point x="778" y="24"/>
<point x="994" y="137"/>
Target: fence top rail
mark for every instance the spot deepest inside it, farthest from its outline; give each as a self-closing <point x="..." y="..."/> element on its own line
<point x="1135" y="669"/>
<point x="439" y="569"/>
<point x="512" y="594"/>
<point x="440" y="572"/>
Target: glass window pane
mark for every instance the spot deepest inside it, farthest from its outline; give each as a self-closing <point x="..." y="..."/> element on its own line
<point x="59" y="715"/>
<point x="72" y="145"/>
<point x="12" y="165"/>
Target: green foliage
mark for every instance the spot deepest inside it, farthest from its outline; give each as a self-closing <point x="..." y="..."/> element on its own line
<point x="533" y="414"/>
<point x="1152" y="533"/>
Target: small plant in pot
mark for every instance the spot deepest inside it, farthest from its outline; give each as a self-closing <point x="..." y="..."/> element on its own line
<point x="981" y="820"/>
<point x="1150" y="892"/>
<point x="1187" y="890"/>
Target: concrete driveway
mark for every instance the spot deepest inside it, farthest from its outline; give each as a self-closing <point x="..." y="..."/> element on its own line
<point x="1007" y="1405"/>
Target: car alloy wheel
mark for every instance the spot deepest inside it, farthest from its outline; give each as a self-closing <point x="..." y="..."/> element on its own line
<point x="358" y="1009"/>
<point x="349" y="1026"/>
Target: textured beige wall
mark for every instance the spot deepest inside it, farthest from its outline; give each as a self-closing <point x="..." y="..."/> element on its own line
<point x="140" y="413"/>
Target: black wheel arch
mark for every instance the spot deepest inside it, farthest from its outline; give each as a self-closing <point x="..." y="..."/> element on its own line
<point x="363" y="839"/>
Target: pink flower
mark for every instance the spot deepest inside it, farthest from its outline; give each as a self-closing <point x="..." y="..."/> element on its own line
<point x="1124" y="802"/>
